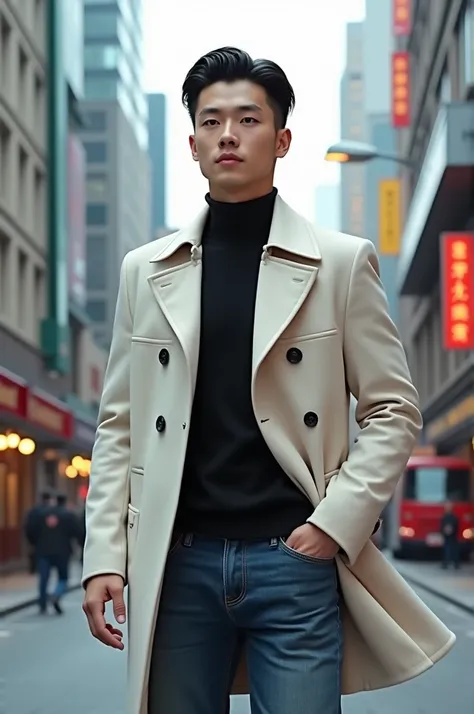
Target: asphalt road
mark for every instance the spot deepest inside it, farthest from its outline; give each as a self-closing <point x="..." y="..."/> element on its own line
<point x="52" y="666"/>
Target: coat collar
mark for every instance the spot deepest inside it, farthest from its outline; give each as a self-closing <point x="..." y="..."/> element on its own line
<point x="289" y="232"/>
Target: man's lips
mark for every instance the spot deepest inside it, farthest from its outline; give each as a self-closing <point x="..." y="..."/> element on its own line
<point x="229" y="159"/>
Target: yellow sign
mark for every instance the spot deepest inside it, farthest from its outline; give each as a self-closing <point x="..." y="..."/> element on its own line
<point x="389" y="217"/>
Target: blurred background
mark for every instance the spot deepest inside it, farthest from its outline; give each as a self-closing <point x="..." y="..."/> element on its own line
<point x="94" y="162"/>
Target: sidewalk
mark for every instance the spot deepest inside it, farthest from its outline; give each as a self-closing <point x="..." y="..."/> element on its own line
<point x="455" y="586"/>
<point x="18" y="590"/>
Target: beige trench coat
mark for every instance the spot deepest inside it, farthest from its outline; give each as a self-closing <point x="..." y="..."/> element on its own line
<point x="318" y="290"/>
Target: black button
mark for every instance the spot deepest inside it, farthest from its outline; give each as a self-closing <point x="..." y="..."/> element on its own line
<point x="164" y="357"/>
<point x="294" y="355"/>
<point x="311" y="419"/>
<point x="160" y="424"/>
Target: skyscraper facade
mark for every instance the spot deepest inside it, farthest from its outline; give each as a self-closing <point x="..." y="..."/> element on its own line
<point x="353" y="128"/>
<point x="115" y="140"/>
<point x="157" y="151"/>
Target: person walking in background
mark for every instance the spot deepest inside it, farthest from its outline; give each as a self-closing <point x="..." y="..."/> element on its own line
<point x="449" y="530"/>
<point x="222" y="489"/>
<point x="32" y="517"/>
<point x="51" y="532"/>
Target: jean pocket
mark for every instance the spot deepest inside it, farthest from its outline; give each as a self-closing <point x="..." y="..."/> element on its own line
<point x="305" y="557"/>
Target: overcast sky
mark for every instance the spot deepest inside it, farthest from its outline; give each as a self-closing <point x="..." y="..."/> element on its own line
<point x="306" y="38"/>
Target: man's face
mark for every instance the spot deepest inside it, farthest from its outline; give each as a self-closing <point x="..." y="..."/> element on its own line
<point x="235" y="118"/>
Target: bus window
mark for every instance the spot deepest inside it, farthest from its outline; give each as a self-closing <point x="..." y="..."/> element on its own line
<point x="436" y="485"/>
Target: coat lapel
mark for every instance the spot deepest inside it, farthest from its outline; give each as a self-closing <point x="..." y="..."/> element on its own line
<point x="177" y="287"/>
<point x="288" y="270"/>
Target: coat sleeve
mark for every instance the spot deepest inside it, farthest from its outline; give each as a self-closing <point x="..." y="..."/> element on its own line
<point x="105" y="548"/>
<point x="387" y="412"/>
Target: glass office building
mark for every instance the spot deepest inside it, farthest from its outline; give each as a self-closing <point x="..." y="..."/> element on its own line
<point x="113" y="58"/>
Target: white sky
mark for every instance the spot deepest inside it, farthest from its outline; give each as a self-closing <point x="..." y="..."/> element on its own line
<point x="306" y="37"/>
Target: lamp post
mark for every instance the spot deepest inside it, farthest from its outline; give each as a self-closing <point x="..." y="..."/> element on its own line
<point x="357" y="152"/>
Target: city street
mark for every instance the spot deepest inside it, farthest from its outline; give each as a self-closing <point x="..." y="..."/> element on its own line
<point x="52" y="666"/>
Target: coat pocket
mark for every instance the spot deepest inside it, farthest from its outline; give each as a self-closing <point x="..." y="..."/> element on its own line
<point x="132" y="529"/>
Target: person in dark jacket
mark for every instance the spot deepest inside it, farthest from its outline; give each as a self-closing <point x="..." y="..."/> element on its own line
<point x="449" y="530"/>
<point x="32" y="517"/>
<point x="51" y="531"/>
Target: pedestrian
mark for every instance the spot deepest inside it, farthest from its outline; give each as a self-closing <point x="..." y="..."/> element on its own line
<point x="222" y="490"/>
<point x="51" y="532"/>
<point x="449" y="531"/>
<point x="31" y="520"/>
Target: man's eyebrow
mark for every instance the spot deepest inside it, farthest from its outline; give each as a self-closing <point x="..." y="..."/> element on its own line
<point x="241" y="108"/>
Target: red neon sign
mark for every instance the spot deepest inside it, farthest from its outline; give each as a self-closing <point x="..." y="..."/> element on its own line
<point x="457" y="261"/>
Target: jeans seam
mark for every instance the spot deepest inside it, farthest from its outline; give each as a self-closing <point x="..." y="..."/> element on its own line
<point x="235" y="601"/>
<point x="243" y="592"/>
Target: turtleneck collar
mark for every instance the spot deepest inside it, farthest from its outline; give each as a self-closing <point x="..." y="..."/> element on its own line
<point x="245" y="221"/>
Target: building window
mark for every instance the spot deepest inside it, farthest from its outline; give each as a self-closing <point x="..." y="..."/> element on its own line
<point x="96" y="214"/>
<point x="100" y="87"/>
<point x="5" y="247"/>
<point x="5" y="149"/>
<point x="96" y="121"/>
<point x="22" y="289"/>
<point x="96" y="187"/>
<point x="23" y="192"/>
<point x="96" y="152"/>
<point x="23" y="80"/>
<point x="99" y="57"/>
<point x="40" y="202"/>
<point x="96" y="265"/>
<point x="40" y="105"/>
<point x="5" y="61"/>
<point x="100" y="24"/>
<point x="96" y="310"/>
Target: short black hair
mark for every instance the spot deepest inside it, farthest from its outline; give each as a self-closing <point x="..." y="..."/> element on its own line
<point x="229" y="64"/>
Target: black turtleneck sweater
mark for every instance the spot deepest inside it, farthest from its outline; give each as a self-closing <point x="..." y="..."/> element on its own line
<point x="232" y="485"/>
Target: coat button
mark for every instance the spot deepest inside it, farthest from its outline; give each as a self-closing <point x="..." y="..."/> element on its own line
<point x="160" y="424"/>
<point x="310" y="419"/>
<point x="164" y="357"/>
<point x="294" y="355"/>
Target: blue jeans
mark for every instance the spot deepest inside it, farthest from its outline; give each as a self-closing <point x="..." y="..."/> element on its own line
<point x="281" y="606"/>
<point x="45" y="565"/>
<point x="451" y="552"/>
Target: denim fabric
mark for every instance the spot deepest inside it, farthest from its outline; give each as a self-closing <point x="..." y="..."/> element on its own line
<point x="281" y="606"/>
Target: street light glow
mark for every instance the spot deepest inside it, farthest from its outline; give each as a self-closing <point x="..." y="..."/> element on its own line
<point x="338" y="156"/>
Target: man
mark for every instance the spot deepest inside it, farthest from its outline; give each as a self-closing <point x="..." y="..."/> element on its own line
<point x="32" y="517"/>
<point x="449" y="530"/>
<point x="50" y="531"/>
<point x="221" y="487"/>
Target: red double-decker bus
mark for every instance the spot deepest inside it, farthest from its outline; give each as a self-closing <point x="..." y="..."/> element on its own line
<point x="412" y="519"/>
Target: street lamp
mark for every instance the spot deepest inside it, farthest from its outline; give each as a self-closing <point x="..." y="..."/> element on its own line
<point x="356" y="152"/>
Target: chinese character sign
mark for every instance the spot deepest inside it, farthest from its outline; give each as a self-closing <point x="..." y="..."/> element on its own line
<point x="401" y="18"/>
<point x="389" y="217"/>
<point x="400" y="89"/>
<point x="457" y="261"/>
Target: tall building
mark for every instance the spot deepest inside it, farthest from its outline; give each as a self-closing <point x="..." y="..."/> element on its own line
<point x="115" y="139"/>
<point x="328" y="207"/>
<point x="353" y="128"/>
<point x="50" y="370"/>
<point x="382" y="185"/>
<point x="436" y="268"/>
<point x="157" y="152"/>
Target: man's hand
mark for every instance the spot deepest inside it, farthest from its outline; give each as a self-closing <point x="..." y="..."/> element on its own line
<point x="100" y="590"/>
<point x="311" y="540"/>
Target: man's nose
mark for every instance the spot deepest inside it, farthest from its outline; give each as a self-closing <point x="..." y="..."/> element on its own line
<point x="228" y="137"/>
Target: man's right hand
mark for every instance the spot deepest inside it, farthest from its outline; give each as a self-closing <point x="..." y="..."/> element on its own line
<point x="100" y="590"/>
